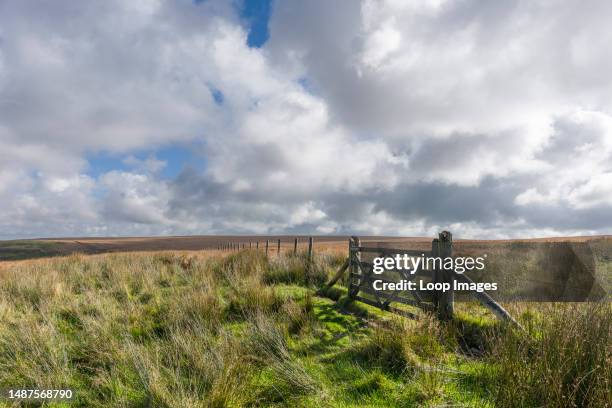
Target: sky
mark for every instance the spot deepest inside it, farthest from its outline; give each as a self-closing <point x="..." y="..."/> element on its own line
<point x="159" y="117"/>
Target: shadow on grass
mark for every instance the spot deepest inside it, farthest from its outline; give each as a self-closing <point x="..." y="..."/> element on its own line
<point x="336" y="326"/>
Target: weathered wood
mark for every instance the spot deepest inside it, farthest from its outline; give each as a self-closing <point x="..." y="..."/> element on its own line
<point x="310" y="245"/>
<point x="354" y="259"/>
<point x="488" y="302"/>
<point x="267" y="244"/>
<point x="339" y="274"/>
<point x="435" y="277"/>
<point x="419" y="272"/>
<point x="278" y="248"/>
<point x="396" y="296"/>
<point x="446" y="299"/>
<point x="295" y="243"/>
<point x="389" y="308"/>
<point x="257" y="245"/>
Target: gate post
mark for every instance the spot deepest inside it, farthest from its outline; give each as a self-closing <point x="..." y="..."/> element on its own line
<point x="435" y="273"/>
<point x="446" y="299"/>
<point x="354" y="259"/>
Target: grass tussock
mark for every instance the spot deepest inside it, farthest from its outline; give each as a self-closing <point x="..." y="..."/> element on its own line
<point x="565" y="361"/>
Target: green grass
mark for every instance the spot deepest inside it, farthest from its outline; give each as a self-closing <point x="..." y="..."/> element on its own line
<point x="167" y="330"/>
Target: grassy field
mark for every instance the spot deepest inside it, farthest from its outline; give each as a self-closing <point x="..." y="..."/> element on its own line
<point x="37" y="248"/>
<point x="203" y="329"/>
<point x="29" y="249"/>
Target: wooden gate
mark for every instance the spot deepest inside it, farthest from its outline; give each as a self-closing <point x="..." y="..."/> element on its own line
<point x="360" y="266"/>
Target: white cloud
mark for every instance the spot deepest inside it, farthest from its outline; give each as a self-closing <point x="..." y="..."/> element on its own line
<point x="150" y="165"/>
<point x="134" y="198"/>
<point x="418" y="116"/>
<point x="597" y="191"/>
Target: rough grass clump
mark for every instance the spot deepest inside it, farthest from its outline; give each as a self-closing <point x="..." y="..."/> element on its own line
<point x="565" y="362"/>
<point x="388" y="348"/>
<point x="300" y="317"/>
<point x="298" y="270"/>
<point x="286" y="269"/>
<point x="193" y="368"/>
<point x="250" y="295"/>
<point x="267" y="342"/>
<point x="202" y="307"/>
<point x="427" y="338"/>
<point x="34" y="353"/>
<point x="238" y="266"/>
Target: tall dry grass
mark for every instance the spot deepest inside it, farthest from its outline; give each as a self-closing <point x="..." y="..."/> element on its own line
<point x="148" y="330"/>
<point x="564" y="359"/>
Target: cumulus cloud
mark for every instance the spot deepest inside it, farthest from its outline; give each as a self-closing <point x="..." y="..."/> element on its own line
<point x="376" y="116"/>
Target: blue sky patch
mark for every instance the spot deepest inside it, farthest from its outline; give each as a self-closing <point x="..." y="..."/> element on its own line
<point x="217" y="95"/>
<point x="176" y="158"/>
<point x="257" y="14"/>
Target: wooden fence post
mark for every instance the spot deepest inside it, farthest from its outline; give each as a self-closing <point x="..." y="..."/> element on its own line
<point x="295" y="240"/>
<point x="278" y="248"/>
<point x="310" y="242"/>
<point x="354" y="259"/>
<point x="446" y="299"/>
<point x="435" y="273"/>
<point x="250" y="245"/>
<point x="266" y="247"/>
<point x="257" y="245"/>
